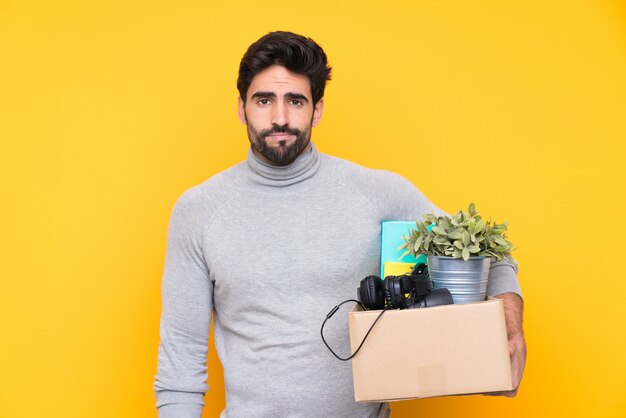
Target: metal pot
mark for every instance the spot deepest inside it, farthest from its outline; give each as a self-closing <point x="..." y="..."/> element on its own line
<point x="466" y="280"/>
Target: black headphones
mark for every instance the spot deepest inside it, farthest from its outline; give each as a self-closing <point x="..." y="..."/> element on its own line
<point x="375" y="293"/>
<point x="395" y="292"/>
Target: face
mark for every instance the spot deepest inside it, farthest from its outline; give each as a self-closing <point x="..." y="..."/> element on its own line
<point x="279" y="113"/>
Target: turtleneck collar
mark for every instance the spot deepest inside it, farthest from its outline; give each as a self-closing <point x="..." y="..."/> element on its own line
<point x="304" y="167"/>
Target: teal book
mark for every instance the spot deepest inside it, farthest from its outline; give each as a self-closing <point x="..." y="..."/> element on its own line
<point x="391" y="238"/>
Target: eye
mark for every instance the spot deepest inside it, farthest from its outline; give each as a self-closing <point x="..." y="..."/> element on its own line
<point x="263" y="102"/>
<point x="295" y="102"/>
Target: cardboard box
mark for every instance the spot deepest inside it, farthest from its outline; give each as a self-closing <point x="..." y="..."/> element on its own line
<point x="438" y="351"/>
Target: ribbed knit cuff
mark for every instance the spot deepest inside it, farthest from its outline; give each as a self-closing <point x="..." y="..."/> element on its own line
<point x="164" y="397"/>
<point x="503" y="279"/>
<point x="177" y="404"/>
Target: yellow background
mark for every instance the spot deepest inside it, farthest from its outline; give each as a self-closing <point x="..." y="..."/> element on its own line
<point x="109" y="110"/>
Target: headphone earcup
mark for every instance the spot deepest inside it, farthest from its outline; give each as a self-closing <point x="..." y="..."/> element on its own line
<point x="395" y="288"/>
<point x="389" y="293"/>
<point x="403" y="287"/>
<point x="371" y="292"/>
<point x="399" y="291"/>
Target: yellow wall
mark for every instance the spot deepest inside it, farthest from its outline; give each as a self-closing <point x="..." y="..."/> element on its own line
<point x="110" y="109"/>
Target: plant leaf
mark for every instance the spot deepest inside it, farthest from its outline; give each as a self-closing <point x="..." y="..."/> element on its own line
<point x="500" y="240"/>
<point x="429" y="217"/>
<point x="473" y="248"/>
<point x="479" y="226"/>
<point x="465" y="238"/>
<point x="439" y="230"/>
<point x="440" y="239"/>
<point x="418" y="242"/>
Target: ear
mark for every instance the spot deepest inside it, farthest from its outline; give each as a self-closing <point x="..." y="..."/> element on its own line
<point x="241" y="111"/>
<point x="317" y="112"/>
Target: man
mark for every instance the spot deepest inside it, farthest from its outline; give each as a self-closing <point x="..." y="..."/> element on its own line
<point x="269" y="245"/>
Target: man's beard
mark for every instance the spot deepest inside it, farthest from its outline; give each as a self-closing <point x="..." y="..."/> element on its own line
<point x="283" y="154"/>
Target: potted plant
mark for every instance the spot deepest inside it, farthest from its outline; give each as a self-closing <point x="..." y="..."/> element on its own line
<point x="459" y="250"/>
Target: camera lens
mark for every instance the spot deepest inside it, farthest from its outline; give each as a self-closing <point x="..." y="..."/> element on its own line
<point x="435" y="297"/>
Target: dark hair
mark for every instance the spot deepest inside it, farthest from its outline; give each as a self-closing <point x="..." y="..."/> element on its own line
<point x="298" y="54"/>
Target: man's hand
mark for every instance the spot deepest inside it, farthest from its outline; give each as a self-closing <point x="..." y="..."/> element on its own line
<point x="513" y="309"/>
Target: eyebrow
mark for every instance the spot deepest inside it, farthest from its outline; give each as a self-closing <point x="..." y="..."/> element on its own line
<point x="289" y="96"/>
<point x="298" y="96"/>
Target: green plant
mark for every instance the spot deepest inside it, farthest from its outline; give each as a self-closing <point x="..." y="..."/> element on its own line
<point x="462" y="235"/>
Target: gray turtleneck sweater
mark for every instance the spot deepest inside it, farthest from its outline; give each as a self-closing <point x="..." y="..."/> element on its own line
<point x="268" y="251"/>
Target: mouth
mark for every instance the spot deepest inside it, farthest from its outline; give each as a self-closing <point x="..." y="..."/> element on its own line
<point x="279" y="137"/>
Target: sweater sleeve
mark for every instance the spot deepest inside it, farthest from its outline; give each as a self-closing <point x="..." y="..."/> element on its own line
<point x="187" y="303"/>
<point x="503" y="278"/>
<point x="409" y="203"/>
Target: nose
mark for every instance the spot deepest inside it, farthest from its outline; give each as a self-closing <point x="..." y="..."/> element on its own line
<point x="279" y="114"/>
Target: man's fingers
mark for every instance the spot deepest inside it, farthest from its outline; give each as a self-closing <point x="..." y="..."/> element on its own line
<point x="517" y="353"/>
<point x="508" y="393"/>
